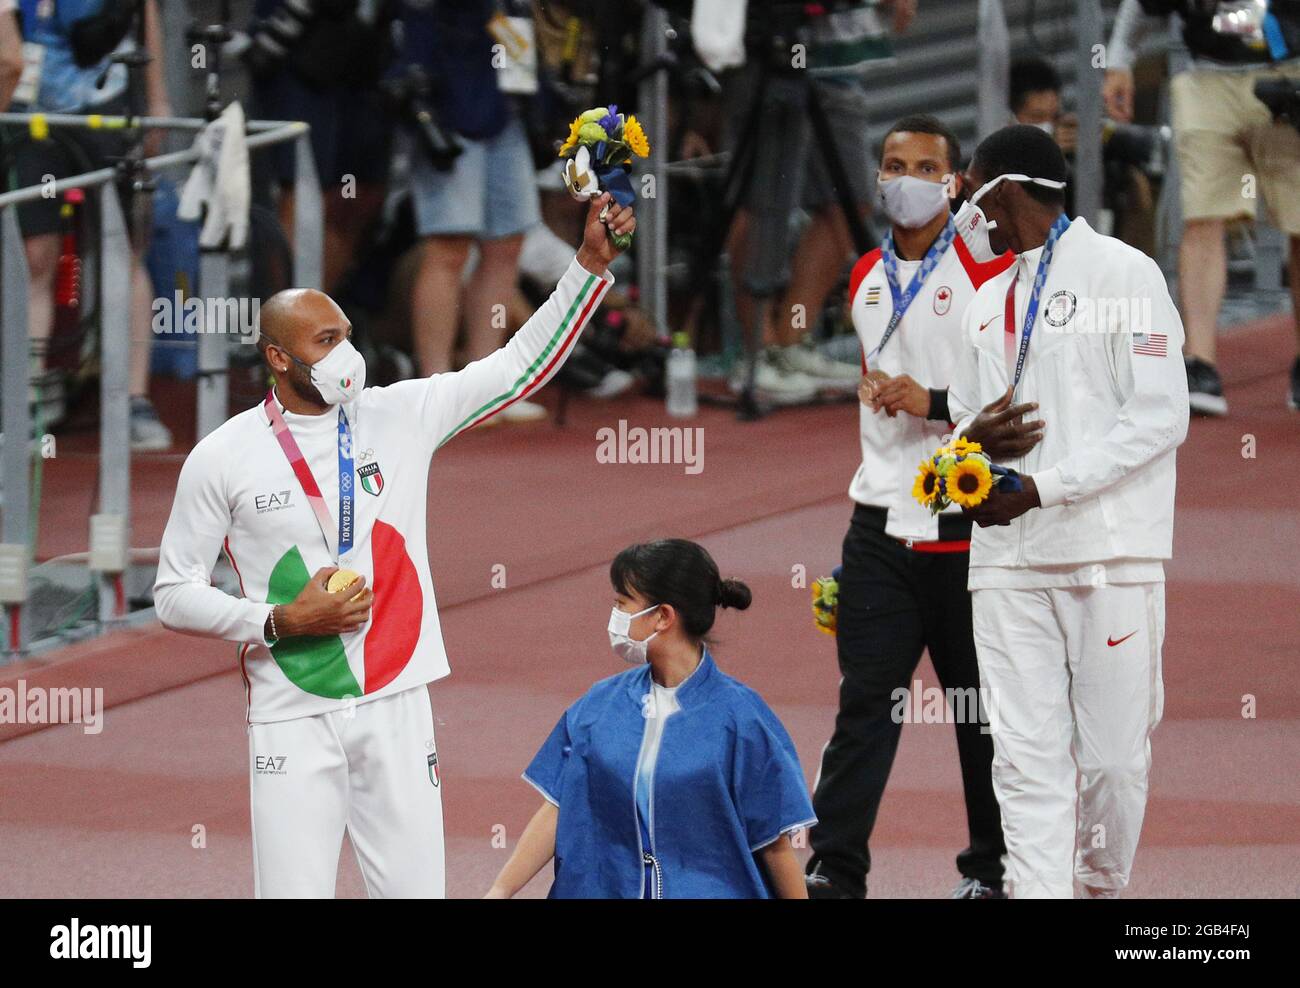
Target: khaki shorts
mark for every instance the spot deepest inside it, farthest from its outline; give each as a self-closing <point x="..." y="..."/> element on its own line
<point x="1230" y="151"/>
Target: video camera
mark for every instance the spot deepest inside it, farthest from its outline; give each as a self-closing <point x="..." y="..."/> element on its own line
<point x="1282" y="97"/>
<point x="412" y="96"/>
<point x="1236" y="30"/>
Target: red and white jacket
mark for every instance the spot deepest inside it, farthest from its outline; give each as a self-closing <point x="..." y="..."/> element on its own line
<point x="925" y="345"/>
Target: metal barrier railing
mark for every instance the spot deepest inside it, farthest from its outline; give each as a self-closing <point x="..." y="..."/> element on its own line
<point x="652" y="210"/>
<point x="110" y="527"/>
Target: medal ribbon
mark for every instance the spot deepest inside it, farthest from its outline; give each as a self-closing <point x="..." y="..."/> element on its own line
<point x="298" y="463"/>
<point x="1031" y="313"/>
<point x="903" y="299"/>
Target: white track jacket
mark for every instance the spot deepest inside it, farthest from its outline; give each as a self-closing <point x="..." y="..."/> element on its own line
<point x="238" y="493"/>
<point x="1106" y="369"/>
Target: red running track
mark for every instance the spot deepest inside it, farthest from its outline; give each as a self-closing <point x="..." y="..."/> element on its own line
<point x="114" y="814"/>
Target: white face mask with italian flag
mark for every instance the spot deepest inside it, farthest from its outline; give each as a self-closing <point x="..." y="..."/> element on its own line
<point x="340" y="375"/>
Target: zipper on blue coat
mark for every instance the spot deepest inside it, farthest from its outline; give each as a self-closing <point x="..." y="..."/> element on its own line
<point x="636" y="810"/>
<point x="650" y="801"/>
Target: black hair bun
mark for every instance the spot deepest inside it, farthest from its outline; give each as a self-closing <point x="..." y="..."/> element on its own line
<point x="733" y="593"/>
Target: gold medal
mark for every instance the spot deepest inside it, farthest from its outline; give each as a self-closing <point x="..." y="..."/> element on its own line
<point x="341" y="580"/>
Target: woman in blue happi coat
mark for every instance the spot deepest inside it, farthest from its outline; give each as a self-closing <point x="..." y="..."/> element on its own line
<point x="669" y="780"/>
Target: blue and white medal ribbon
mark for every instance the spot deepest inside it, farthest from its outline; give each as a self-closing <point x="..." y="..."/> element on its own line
<point x="1040" y="276"/>
<point x="903" y="299"/>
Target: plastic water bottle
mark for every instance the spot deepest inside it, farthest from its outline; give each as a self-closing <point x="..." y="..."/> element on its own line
<point x="681" y="378"/>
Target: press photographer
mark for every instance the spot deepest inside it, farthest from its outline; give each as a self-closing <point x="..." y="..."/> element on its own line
<point x="1224" y="134"/>
<point x="1133" y="154"/>
<point x="321" y="61"/>
<point x="802" y="63"/>
<point x="477" y="55"/>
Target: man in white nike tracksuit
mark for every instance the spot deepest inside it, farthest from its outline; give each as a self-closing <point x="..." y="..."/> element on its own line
<point x="1067" y="577"/>
<point x="328" y="475"/>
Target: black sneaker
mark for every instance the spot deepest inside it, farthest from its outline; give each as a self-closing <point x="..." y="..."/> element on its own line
<point x="821" y="887"/>
<point x="973" y="888"/>
<point x="1204" y="389"/>
<point x="1293" y="399"/>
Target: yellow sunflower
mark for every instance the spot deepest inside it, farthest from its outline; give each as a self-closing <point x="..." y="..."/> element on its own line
<point x="825" y="592"/>
<point x="969" y="482"/>
<point x="961" y="447"/>
<point x="634" y="135"/>
<point x="571" y="141"/>
<point x="926" y="487"/>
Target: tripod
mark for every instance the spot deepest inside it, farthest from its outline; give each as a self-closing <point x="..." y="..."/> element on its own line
<point x="132" y="172"/>
<point x="213" y="37"/>
<point x="766" y="266"/>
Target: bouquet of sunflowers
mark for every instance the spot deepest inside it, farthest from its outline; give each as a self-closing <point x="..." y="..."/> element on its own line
<point x="599" y="151"/>
<point x="960" y="473"/>
<point x="825" y="602"/>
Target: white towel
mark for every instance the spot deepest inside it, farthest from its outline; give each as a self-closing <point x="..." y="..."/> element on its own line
<point x="219" y="181"/>
<point x="718" y="30"/>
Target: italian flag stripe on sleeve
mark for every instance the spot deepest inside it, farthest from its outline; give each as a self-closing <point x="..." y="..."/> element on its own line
<point x="536" y="375"/>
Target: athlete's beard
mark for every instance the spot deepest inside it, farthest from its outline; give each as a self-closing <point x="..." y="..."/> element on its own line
<point x="299" y="380"/>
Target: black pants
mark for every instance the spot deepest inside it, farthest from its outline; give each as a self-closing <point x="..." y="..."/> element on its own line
<point x="894" y="602"/>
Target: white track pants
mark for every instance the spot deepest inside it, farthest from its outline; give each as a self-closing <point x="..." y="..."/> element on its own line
<point x="1071" y="716"/>
<point x="366" y="769"/>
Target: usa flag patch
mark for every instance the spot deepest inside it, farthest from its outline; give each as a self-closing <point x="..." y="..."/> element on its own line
<point x="1151" y="344"/>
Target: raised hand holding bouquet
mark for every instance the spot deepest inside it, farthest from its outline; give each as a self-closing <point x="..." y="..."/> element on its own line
<point x="600" y="147"/>
<point x="960" y="473"/>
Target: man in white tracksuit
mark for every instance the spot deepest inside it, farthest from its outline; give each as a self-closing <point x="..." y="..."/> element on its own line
<point x="1067" y="577"/>
<point x="327" y="476"/>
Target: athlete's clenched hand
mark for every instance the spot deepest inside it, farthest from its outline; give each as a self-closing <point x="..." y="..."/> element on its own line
<point x="316" y="611"/>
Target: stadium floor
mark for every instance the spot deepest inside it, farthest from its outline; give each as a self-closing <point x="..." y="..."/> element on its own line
<point x="114" y="814"/>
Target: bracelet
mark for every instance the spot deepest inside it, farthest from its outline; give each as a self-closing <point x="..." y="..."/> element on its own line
<point x="275" y="635"/>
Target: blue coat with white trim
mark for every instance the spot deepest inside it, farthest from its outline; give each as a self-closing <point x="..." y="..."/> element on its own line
<point x="726" y="784"/>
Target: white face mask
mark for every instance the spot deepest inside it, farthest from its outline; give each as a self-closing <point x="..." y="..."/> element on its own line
<point x="1048" y="127"/>
<point x="340" y="375"/>
<point x="973" y="227"/>
<point x="1049" y="183"/>
<point x="629" y="649"/>
<point x="911" y="202"/>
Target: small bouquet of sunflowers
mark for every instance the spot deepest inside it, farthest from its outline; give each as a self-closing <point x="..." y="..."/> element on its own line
<point x="960" y="473"/>
<point x="599" y="151"/>
<point x="825" y="602"/>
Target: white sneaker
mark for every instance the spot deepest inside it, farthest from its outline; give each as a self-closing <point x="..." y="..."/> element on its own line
<point x="813" y="363"/>
<point x="148" y="434"/>
<point x="613" y="384"/>
<point x="774" y="383"/>
<point x="523" y="411"/>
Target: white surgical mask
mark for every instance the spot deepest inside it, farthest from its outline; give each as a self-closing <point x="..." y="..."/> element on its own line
<point x="911" y="202"/>
<point x="973" y="227"/>
<point x="629" y="649"/>
<point x="1048" y="127"/>
<point x="340" y="375"/>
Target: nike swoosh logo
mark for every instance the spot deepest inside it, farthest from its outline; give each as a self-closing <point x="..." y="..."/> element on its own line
<point x="1112" y="642"/>
<point x="985" y="325"/>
